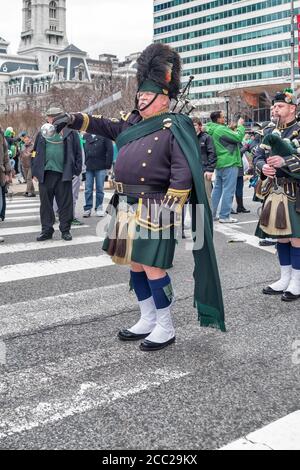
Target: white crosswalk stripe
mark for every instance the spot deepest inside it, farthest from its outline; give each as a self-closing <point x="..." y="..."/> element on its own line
<point x="17" y="272"/>
<point x="22" y="218"/>
<point x="22" y="201"/>
<point x="283" y="434"/>
<point x="20" y="247"/>
<point x="29" y="210"/>
<point x="29" y="204"/>
<point x="23" y="211"/>
<point x="31" y="229"/>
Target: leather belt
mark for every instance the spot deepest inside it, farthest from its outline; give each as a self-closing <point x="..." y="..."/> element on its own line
<point x="138" y="188"/>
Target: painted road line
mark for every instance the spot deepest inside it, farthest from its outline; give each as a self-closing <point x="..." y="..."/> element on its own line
<point x="88" y="396"/>
<point x="61" y="309"/>
<point x="283" y="434"/>
<point x="20" y="247"/>
<point x="113" y="300"/>
<point x="22" y="218"/>
<point x="32" y="229"/>
<point x="24" y="201"/>
<point x="18" y="272"/>
<point x="236" y="235"/>
<point x="246" y="222"/>
<point x="23" y="211"/>
<point x="19" y="206"/>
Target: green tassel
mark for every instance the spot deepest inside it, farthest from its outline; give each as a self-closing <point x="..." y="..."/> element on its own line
<point x="210" y="317"/>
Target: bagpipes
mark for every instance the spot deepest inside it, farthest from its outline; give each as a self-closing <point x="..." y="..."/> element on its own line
<point x="275" y="218"/>
<point x="183" y="104"/>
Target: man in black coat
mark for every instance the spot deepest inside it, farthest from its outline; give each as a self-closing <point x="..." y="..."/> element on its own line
<point x="55" y="161"/>
<point x="98" y="159"/>
<point x="208" y="155"/>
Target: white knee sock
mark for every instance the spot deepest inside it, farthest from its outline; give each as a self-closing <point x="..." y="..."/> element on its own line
<point x="164" y="328"/>
<point x="148" y="317"/>
<point x="284" y="280"/>
<point x="294" y="285"/>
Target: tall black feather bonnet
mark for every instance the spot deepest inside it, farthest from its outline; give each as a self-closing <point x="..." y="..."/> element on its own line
<point x="159" y="70"/>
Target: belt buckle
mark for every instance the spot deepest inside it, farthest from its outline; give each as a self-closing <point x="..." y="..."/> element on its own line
<point x="119" y="187"/>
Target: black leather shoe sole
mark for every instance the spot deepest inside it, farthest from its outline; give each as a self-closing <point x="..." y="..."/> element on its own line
<point x="151" y="346"/>
<point x="126" y="335"/>
<point x="267" y="243"/>
<point x="269" y="291"/>
<point x="289" y="297"/>
<point x="43" y="238"/>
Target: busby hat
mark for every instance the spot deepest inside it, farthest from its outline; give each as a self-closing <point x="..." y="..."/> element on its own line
<point x="285" y="96"/>
<point x="159" y="70"/>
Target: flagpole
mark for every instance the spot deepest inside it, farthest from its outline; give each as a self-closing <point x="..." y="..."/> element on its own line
<point x="292" y="46"/>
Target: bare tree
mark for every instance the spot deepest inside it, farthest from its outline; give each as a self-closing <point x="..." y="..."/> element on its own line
<point x="71" y="99"/>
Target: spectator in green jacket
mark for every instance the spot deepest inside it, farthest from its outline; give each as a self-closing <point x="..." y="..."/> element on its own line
<point x="227" y="145"/>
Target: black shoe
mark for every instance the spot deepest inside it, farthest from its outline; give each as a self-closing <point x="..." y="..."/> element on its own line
<point x="289" y="297"/>
<point x="266" y="243"/>
<point x="269" y="291"/>
<point x="67" y="236"/>
<point x="44" y="236"/>
<point x="151" y="346"/>
<point x="31" y="195"/>
<point x="126" y="335"/>
<point x="242" y="210"/>
<point x="233" y="212"/>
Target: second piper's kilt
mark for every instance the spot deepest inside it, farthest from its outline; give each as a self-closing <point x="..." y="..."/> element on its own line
<point x="130" y="240"/>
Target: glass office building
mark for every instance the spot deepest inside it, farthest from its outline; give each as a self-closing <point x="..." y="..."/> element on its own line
<point x="227" y="44"/>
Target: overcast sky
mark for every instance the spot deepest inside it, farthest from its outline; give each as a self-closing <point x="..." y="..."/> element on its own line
<point x="117" y="27"/>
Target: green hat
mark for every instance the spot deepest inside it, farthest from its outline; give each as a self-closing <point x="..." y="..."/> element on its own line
<point x="150" y="85"/>
<point x="285" y="96"/>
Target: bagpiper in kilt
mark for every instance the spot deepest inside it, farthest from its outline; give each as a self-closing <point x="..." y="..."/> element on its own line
<point x="157" y="170"/>
<point x="277" y="160"/>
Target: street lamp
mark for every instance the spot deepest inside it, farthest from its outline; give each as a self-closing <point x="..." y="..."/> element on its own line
<point x="227" y="98"/>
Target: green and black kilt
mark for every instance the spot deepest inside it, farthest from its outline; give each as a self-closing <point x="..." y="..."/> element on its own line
<point x="295" y="224"/>
<point x="155" y="248"/>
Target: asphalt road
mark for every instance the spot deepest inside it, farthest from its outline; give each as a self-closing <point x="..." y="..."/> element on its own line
<point x="66" y="382"/>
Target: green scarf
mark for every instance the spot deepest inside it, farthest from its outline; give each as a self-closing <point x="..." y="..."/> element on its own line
<point x="207" y="293"/>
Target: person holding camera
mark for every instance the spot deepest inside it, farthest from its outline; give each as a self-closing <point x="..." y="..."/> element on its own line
<point x="56" y="160"/>
<point x="227" y="144"/>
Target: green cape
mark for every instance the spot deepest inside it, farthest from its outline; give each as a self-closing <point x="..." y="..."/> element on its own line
<point x="208" y="293"/>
